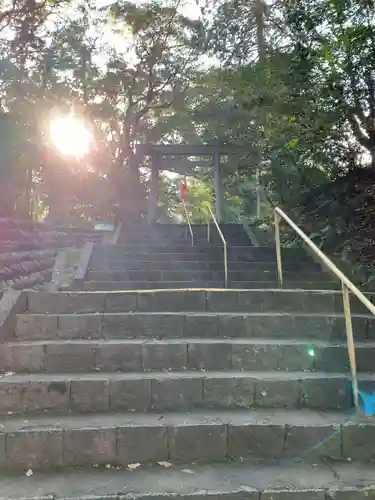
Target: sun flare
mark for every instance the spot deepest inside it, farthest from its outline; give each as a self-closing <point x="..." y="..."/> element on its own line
<point x="70" y="136"/>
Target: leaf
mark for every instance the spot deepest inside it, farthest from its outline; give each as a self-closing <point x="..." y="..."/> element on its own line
<point x="29" y="472"/>
<point x="188" y="471"/>
<point x="327" y="52"/>
<point x="133" y="466"/>
<point x="165" y="464"/>
<point x="292" y="144"/>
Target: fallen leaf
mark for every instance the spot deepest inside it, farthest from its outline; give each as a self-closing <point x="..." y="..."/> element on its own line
<point x="133" y="466"/>
<point x="165" y="464"/>
<point x="246" y="488"/>
<point x="29" y="472"/>
<point x="188" y="471"/>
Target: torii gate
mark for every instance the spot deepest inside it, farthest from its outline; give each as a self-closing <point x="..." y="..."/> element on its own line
<point x="176" y="159"/>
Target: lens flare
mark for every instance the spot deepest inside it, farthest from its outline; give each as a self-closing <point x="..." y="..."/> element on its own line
<point x="70" y="136"/>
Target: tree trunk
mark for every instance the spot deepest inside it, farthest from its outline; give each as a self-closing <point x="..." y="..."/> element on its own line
<point x="372" y="153"/>
<point x="259" y="13"/>
<point x="28" y="192"/>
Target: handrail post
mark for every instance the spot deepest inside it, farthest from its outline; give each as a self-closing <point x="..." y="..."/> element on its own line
<point x="225" y="264"/>
<point x="350" y="341"/>
<point x="208" y="229"/>
<point x="347" y="288"/>
<point x="278" y="249"/>
<point x="188" y="226"/>
<point x="210" y="215"/>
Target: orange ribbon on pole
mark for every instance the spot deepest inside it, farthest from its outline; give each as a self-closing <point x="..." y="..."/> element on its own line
<point x="184" y="190"/>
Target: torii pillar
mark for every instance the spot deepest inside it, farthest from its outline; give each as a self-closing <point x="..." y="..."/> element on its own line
<point x="158" y="151"/>
<point x="153" y="194"/>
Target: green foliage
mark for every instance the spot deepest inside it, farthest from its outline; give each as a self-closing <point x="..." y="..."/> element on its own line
<point x="199" y="199"/>
<point x="237" y="33"/>
<point x="337" y="38"/>
<point x="293" y="95"/>
<point x="122" y="93"/>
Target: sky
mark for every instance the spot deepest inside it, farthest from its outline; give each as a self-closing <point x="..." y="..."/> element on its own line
<point x="188" y="8"/>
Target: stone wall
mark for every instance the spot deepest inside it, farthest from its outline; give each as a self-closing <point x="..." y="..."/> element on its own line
<point x="28" y="251"/>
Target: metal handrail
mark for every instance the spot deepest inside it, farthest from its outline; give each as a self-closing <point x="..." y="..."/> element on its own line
<point x="347" y="287"/>
<point x="188" y="225"/>
<point x="225" y="245"/>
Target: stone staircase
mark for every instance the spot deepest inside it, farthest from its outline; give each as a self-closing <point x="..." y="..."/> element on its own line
<point x="171" y="262"/>
<point x="169" y="392"/>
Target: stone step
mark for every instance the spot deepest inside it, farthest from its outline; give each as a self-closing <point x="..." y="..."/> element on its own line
<point x="200" y="240"/>
<point x="182" y="240"/>
<point x="325" y="327"/>
<point x="166" y="230"/>
<point x="122" y="260"/>
<point x="216" y="481"/>
<point x="237" y="237"/>
<point x="214" y="265"/>
<point x="215" y="300"/>
<point x="235" y="229"/>
<point x="124" y="355"/>
<point x="72" y="440"/>
<point x="176" y="391"/>
<point x="184" y="275"/>
<point x="228" y="301"/>
<point x="232" y="240"/>
<point x="101" y="286"/>
<point x="161" y="228"/>
<point x="122" y="251"/>
<point x="144" y="263"/>
<point x="186" y="248"/>
<point x="210" y="254"/>
<point x="206" y="249"/>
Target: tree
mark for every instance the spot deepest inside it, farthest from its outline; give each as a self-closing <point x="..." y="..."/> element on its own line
<point x="24" y="18"/>
<point x="137" y="86"/>
<point x="339" y="39"/>
<point x="282" y="107"/>
<point x="56" y="80"/>
<point x="238" y="33"/>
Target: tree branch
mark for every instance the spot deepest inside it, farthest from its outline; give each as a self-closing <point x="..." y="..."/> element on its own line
<point x="357" y="129"/>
